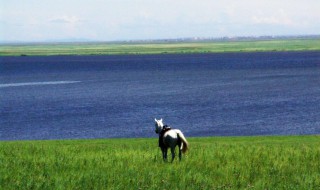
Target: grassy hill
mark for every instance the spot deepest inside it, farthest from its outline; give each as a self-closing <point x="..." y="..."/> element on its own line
<point x="160" y="47"/>
<point x="288" y="162"/>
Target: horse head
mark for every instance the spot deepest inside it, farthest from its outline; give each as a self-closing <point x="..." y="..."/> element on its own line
<point x="158" y="125"/>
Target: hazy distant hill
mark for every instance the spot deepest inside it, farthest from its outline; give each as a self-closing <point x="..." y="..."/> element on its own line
<point x="191" y="39"/>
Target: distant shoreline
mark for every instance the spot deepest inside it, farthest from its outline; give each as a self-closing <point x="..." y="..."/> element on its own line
<point x="159" y="47"/>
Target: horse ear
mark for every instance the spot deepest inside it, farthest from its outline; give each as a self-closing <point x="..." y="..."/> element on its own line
<point x="155" y="119"/>
<point x="161" y="119"/>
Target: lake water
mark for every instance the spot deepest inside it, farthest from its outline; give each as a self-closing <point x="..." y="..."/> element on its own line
<point x="227" y="94"/>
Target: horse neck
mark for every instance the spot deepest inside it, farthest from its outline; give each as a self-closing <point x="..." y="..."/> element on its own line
<point x="160" y="129"/>
<point x="161" y="126"/>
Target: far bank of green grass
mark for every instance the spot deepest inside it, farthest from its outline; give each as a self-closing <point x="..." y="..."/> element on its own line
<point x="160" y="48"/>
<point x="288" y="162"/>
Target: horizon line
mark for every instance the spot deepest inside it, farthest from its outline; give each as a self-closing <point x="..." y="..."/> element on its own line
<point x="163" y="40"/>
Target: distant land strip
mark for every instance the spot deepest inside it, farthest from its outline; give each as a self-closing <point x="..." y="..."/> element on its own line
<point x="158" y="47"/>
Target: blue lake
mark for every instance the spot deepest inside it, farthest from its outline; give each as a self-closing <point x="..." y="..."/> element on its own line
<point x="227" y="94"/>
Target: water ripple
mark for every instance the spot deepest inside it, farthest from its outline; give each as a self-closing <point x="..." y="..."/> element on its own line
<point x="36" y="83"/>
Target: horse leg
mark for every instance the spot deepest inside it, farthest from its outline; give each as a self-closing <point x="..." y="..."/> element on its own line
<point x="164" y="153"/>
<point x="172" y="153"/>
<point x="180" y="149"/>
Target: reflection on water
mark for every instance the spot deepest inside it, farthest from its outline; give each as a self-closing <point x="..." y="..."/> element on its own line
<point x="36" y="83"/>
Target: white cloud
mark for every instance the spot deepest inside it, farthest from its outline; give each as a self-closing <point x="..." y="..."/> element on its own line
<point x="65" y="20"/>
<point x="278" y="18"/>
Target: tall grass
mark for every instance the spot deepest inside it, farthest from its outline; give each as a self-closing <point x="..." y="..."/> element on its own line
<point x="212" y="163"/>
<point x="159" y="48"/>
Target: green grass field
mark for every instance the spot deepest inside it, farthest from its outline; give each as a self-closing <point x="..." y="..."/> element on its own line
<point x="159" y="48"/>
<point x="289" y="162"/>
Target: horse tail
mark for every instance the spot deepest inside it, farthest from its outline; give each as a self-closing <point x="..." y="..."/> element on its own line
<point x="185" y="144"/>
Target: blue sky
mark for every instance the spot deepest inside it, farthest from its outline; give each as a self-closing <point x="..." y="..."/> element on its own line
<point x="109" y="20"/>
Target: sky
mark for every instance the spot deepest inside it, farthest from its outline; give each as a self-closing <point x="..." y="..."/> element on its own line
<point x="114" y="20"/>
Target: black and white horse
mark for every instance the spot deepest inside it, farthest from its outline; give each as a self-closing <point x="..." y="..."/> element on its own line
<point x="170" y="139"/>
